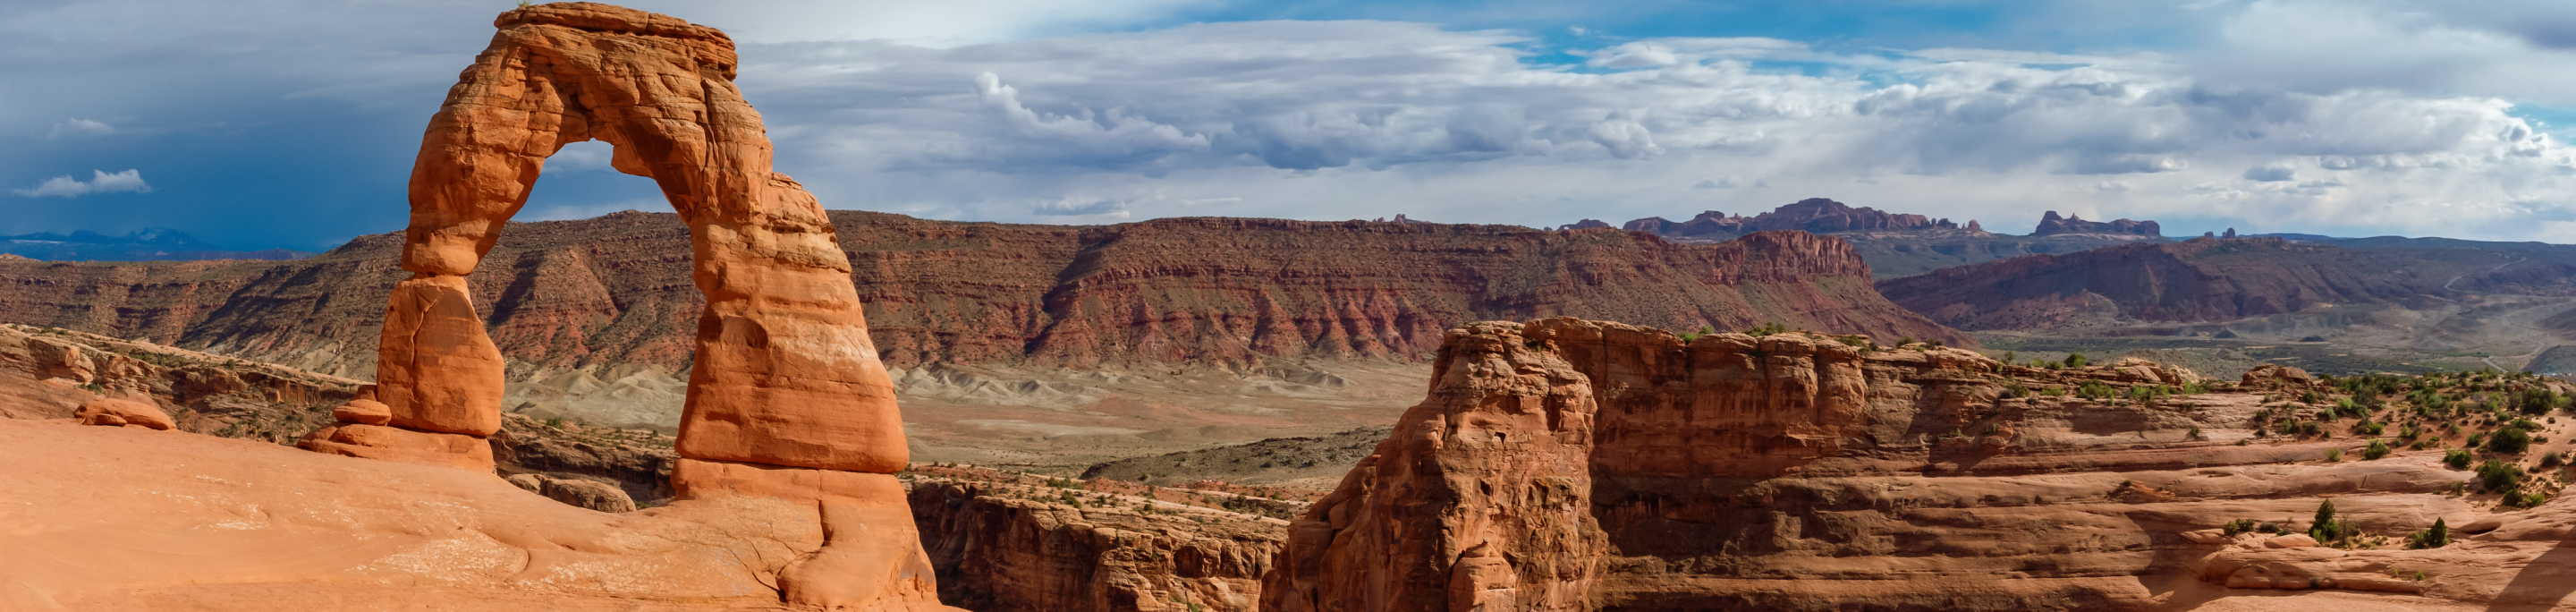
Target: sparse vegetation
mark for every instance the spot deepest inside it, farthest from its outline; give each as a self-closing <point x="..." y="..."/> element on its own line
<point x="2439" y="535"/>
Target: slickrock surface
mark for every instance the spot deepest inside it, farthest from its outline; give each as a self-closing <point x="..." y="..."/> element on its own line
<point x="1572" y="465"/>
<point x="1018" y="548"/>
<point x="129" y="519"/>
<point x="614" y="290"/>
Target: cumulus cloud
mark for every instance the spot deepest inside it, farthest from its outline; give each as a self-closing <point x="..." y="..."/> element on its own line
<point x="1363" y="119"/>
<point x="80" y="127"/>
<point x="2386" y="115"/>
<point x="101" y="181"/>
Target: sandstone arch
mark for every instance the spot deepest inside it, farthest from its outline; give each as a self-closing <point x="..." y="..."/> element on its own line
<point x="786" y="398"/>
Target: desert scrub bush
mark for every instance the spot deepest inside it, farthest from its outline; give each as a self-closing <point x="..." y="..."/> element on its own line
<point x="2376" y="450"/>
<point x="2236" y="527"/>
<point x="2553" y="459"/>
<point x="2499" y="477"/>
<point x="2525" y="499"/>
<point x="2477" y="440"/>
<point x="2334" y="454"/>
<point x="2510" y="441"/>
<point x="2458" y="459"/>
<point x="2075" y="360"/>
<point x="1767" y="329"/>
<point x="2437" y="536"/>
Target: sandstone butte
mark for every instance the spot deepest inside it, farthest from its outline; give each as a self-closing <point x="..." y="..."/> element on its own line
<point x="787" y="399"/>
<point x="1564" y="464"/>
<point x="617" y="290"/>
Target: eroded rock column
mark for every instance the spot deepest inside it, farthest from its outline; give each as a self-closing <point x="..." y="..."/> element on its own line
<point x="787" y="399"/>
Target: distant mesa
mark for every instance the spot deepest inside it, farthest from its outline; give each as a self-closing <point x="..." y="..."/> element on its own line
<point x="2051" y="224"/>
<point x="1400" y="220"/>
<point x="1812" y="215"/>
<point x="1584" y="224"/>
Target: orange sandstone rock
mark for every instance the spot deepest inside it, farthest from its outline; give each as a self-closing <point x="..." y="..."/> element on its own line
<point x="364" y="412"/>
<point x="436" y="369"/>
<point x="112" y="412"/>
<point x="787" y="398"/>
<point x="404" y="445"/>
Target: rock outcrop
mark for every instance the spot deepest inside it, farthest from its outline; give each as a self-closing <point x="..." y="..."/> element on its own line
<point x="786" y="397"/>
<point x="1006" y="548"/>
<point x="1815" y="215"/>
<point x="611" y="291"/>
<point x="114" y="412"/>
<point x="2051" y="224"/>
<point x="1576" y="465"/>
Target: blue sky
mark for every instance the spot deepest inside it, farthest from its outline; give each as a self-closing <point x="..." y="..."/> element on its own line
<point x="292" y="123"/>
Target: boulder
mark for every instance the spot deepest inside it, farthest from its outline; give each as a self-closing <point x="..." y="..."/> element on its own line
<point x="113" y="412"/>
<point x="2295" y="540"/>
<point x="587" y="494"/>
<point x="363" y="412"/>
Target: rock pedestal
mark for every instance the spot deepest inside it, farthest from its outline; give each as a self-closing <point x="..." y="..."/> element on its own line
<point x="786" y="399"/>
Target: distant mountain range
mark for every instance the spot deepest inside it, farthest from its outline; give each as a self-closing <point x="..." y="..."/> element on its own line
<point x="149" y="244"/>
<point x="1898" y="245"/>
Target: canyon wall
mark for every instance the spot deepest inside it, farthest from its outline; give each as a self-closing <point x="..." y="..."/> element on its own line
<point x="1575" y="465"/>
<point x="999" y="553"/>
<point x="617" y="290"/>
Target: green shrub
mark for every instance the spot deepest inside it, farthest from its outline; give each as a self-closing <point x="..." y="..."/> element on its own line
<point x="2334" y="454"/>
<point x="2376" y="450"/>
<point x="2510" y="441"/>
<point x="2075" y="360"/>
<point x="2498" y="476"/>
<point x="2436" y="537"/>
<point x="2458" y="459"/>
<point x="2236" y="527"/>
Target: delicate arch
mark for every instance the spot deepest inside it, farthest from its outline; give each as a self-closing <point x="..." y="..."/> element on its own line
<point x="785" y="374"/>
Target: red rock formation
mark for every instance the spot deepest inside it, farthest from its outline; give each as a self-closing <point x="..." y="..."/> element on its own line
<point x="117" y="412"/>
<point x="2051" y="224"/>
<point x="1005" y="548"/>
<point x="615" y="290"/>
<point x="786" y="400"/>
<point x="1495" y="462"/>
<point x="1565" y="464"/>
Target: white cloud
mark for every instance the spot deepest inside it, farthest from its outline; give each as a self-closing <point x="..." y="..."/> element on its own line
<point x="1337" y="120"/>
<point x="80" y="127"/>
<point x="101" y="181"/>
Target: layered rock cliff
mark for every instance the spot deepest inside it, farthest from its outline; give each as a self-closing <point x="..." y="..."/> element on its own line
<point x="617" y="290"/>
<point x="1818" y="215"/>
<point x="2213" y="279"/>
<point x="1012" y="548"/>
<point x="1574" y="465"/>
<point x="2051" y="224"/>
